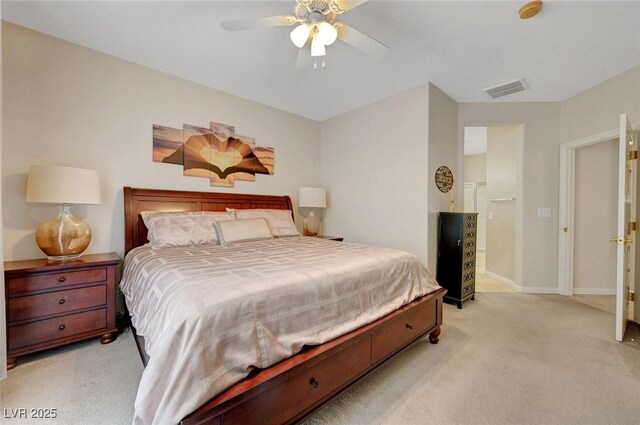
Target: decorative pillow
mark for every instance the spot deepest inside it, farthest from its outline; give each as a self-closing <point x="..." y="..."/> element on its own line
<point x="252" y="229"/>
<point x="180" y="228"/>
<point x="280" y="221"/>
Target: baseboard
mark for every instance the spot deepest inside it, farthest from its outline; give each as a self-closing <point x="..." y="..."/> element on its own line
<point x="594" y="291"/>
<point x="504" y="280"/>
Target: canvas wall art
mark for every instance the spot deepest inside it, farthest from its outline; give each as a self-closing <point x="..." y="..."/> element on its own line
<point x="167" y="144"/>
<point x="216" y="152"/>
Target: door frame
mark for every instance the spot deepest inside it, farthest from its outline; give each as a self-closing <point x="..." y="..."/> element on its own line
<point x="567" y="190"/>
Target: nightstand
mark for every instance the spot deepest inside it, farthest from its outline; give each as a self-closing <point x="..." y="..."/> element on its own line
<point x="331" y="238"/>
<point x="55" y="303"/>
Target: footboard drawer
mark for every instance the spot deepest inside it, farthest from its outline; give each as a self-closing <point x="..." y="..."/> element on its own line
<point x="303" y="391"/>
<point x="402" y="330"/>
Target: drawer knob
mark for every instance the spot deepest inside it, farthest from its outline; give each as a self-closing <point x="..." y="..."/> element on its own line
<point x="62" y="301"/>
<point x="61" y="327"/>
<point x="62" y="279"/>
<point x="314" y="383"/>
<point x="409" y="326"/>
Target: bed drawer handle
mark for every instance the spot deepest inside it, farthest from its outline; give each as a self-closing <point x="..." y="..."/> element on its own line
<point x="61" y="327"/>
<point x="409" y="326"/>
<point x="62" y="279"/>
<point x="314" y="383"/>
<point x="62" y="301"/>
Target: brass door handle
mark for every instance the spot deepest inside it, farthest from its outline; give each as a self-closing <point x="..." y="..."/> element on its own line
<point x="625" y="241"/>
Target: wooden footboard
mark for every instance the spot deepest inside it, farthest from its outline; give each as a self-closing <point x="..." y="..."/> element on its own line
<point x="294" y="388"/>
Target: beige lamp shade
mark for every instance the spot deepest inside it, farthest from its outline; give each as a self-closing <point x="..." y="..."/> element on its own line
<point x="67" y="236"/>
<point x="52" y="184"/>
<point x="312" y="197"/>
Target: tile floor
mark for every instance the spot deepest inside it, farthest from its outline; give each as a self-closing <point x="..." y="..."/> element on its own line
<point x="485" y="283"/>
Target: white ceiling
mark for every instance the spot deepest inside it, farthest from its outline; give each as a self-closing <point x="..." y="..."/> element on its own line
<point x="475" y="140"/>
<point x="462" y="47"/>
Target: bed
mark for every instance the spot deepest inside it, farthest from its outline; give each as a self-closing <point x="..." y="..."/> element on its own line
<point x="302" y="373"/>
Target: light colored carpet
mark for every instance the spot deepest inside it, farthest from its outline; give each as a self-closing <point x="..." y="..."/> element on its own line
<point x="605" y="303"/>
<point x="503" y="359"/>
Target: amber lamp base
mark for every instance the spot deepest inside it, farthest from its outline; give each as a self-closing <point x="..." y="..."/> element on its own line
<point x="64" y="238"/>
<point x="311" y="225"/>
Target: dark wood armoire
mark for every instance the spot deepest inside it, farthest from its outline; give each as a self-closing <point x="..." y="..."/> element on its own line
<point x="456" y="266"/>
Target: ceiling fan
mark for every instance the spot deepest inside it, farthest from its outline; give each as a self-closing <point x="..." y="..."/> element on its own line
<point x="317" y="29"/>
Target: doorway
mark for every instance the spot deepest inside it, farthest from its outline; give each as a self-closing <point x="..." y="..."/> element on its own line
<point x="492" y="182"/>
<point x="623" y="240"/>
<point x="595" y="221"/>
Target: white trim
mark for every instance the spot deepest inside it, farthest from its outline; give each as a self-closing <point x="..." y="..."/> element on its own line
<point x="594" y="291"/>
<point x="504" y="280"/>
<point x="566" y="212"/>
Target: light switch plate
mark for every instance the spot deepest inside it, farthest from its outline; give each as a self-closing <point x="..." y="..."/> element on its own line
<point x="544" y="212"/>
<point x="490" y="215"/>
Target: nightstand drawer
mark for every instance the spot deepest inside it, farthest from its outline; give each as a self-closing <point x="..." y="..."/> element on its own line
<point x="55" y="280"/>
<point x="20" y="336"/>
<point x="33" y="306"/>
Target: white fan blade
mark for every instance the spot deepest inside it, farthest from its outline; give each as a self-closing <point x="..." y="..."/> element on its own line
<point x="249" y="24"/>
<point x="361" y="41"/>
<point x="303" y="61"/>
<point x="341" y="6"/>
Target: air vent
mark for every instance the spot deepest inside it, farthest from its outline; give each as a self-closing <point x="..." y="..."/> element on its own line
<point x="507" y="88"/>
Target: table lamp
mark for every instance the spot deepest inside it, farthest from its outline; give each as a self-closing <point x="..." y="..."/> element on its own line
<point x="312" y="197"/>
<point x="67" y="236"/>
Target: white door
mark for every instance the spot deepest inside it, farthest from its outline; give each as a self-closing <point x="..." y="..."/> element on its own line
<point x="481" y="209"/>
<point x="624" y="238"/>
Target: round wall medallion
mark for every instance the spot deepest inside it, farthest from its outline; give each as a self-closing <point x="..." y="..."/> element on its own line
<point x="444" y="179"/>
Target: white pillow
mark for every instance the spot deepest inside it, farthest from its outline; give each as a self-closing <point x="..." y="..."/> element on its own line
<point x="252" y="229"/>
<point x="183" y="228"/>
<point x="280" y="221"/>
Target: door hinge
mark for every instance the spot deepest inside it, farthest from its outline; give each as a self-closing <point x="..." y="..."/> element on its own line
<point x="631" y="296"/>
<point x="632" y="154"/>
<point x="632" y="225"/>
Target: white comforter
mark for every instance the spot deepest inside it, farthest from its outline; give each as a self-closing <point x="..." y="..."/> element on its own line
<point x="210" y="314"/>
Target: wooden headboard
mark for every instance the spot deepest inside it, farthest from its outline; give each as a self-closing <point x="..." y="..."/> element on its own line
<point x="137" y="200"/>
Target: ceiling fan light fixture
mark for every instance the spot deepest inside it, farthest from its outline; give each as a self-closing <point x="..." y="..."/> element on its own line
<point x="317" y="47"/>
<point x="300" y="35"/>
<point x="328" y="34"/>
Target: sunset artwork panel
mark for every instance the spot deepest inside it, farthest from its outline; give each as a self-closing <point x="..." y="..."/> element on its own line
<point x="216" y="153"/>
<point x="246" y="169"/>
<point x="197" y="151"/>
<point x="167" y="145"/>
<point x="223" y="157"/>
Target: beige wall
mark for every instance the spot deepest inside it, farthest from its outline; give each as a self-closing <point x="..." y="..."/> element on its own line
<point x="503" y="157"/>
<point x="596" y="200"/>
<point x="475" y="168"/>
<point x="598" y="109"/>
<point x="443" y="150"/>
<point x="374" y="166"/>
<point x="68" y="105"/>
<point x="538" y="247"/>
